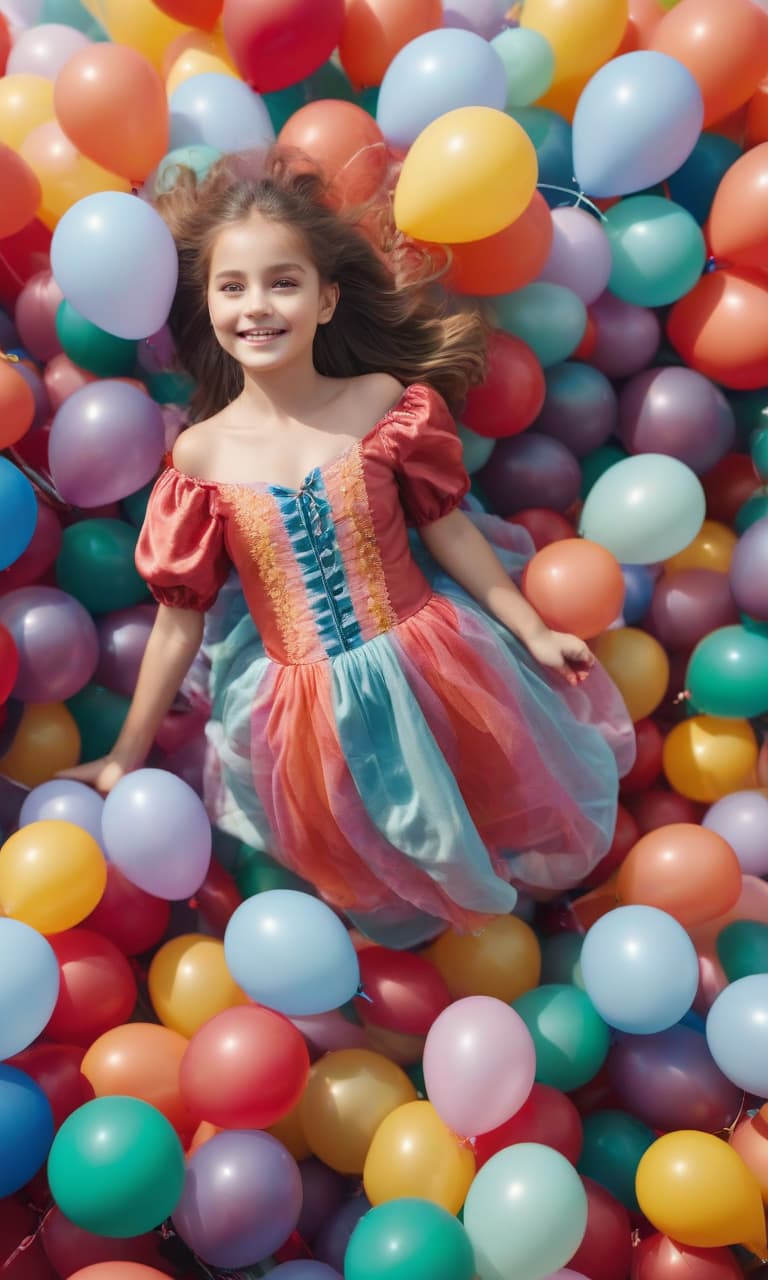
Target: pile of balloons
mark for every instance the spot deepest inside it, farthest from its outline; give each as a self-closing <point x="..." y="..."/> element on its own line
<point x="201" y="1067"/>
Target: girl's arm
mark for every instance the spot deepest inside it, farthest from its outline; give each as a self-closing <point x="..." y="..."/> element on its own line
<point x="173" y="642"/>
<point x="460" y="548"/>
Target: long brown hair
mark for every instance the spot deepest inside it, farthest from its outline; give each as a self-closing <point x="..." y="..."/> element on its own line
<point x="387" y="319"/>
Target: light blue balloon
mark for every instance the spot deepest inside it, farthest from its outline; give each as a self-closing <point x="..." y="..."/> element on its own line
<point x="549" y="317"/>
<point x="115" y="261"/>
<point x="640" y="969"/>
<point x="552" y="138"/>
<point x="220" y="111"/>
<point x="437" y="72"/>
<point x="18" y="513"/>
<point x="525" y="1213"/>
<point x="476" y="450"/>
<point x="290" y="952"/>
<point x="29" y="985"/>
<point x="198" y="158"/>
<point x="644" y="509"/>
<point x="71" y="13"/>
<point x="657" y="248"/>
<point x="737" y="1033"/>
<point x="529" y="63"/>
<point x="637" y="120"/>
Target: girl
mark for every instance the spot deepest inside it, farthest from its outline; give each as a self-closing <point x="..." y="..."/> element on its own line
<point x="402" y="729"/>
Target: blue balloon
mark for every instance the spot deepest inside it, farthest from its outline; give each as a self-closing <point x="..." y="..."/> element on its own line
<point x="290" y="952"/>
<point x="552" y="138"/>
<point x="636" y="122"/>
<point x="737" y="1033"/>
<point x="199" y="157"/>
<point x="26" y="1128"/>
<point x="639" y="581"/>
<point x="694" y="184"/>
<point x="29" y="984"/>
<point x="220" y="111"/>
<point x="71" y="13"/>
<point x="435" y="73"/>
<point x="640" y="969"/>
<point x="18" y="513"/>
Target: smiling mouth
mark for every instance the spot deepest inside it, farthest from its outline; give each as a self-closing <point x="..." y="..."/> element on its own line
<point x="258" y="335"/>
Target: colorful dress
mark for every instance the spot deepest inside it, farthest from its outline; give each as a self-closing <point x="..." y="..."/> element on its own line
<point x="372" y="727"/>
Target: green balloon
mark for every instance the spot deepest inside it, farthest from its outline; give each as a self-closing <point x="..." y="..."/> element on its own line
<point x="329" y="81"/>
<point x="728" y="673"/>
<point x="548" y="317"/>
<point x="90" y="347"/>
<point x="409" y="1239"/>
<point x="657" y="248"/>
<point x="255" y="872"/>
<point x="95" y="565"/>
<point x="170" y="388"/>
<point x="415" y="1073"/>
<point x="99" y="714"/>
<point x="282" y="103"/>
<point x="529" y="63"/>
<point x="750" y="409"/>
<point x="135" y="505"/>
<point x="742" y="949"/>
<point x="755" y="508"/>
<point x="116" y="1167"/>
<point x="570" y="1037"/>
<point x="561" y="959"/>
<point x="599" y="460"/>
<point x="758" y="448"/>
<point x="614" y="1144"/>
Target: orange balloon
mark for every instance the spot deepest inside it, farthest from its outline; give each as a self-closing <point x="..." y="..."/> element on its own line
<point x="112" y="104"/>
<point x="46" y="741"/>
<point x="686" y="870"/>
<point x="554" y="580"/>
<point x="118" y="1271"/>
<point x="345" y="142"/>
<point x="195" y="13"/>
<point x="637" y="664"/>
<point x="65" y="175"/>
<point x="52" y="875"/>
<point x="348" y="1094"/>
<point x="189" y="982"/>
<point x="203" y="1132"/>
<point x="403" y="1049"/>
<point x="290" y="1131"/>
<point x="750" y="1140"/>
<point x="722" y="45"/>
<point x="17" y="403"/>
<point x="502" y="960"/>
<point x="712" y="548"/>
<point x="506" y="261"/>
<point x="141" y="1060"/>
<point x="414" y="1153"/>
<point x="210" y="43"/>
<point x="708" y="757"/>
<point x="375" y="30"/>
<point x="720" y="328"/>
<point x="738" y="219"/>
<point x="644" y="18"/>
<point x="756" y="124"/>
<point x="21" y="197"/>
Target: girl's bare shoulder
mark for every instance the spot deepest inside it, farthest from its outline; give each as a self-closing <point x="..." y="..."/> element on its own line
<point x="193" y="449"/>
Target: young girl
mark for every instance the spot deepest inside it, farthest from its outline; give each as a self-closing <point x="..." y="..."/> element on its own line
<point x="394" y="723"/>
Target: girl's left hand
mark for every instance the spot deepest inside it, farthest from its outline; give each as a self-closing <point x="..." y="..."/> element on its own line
<point x="564" y="653"/>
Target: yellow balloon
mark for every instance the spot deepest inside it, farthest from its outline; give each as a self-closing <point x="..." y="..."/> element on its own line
<point x="414" y="1154"/>
<point x="137" y="23"/>
<point x="708" y="757"/>
<point x="469" y="174"/>
<point x="46" y="741"/>
<point x="583" y="34"/>
<point x="25" y="102"/>
<point x="712" y="548"/>
<point x="694" y="1187"/>
<point x="348" y="1094"/>
<point x="196" y="62"/>
<point x="637" y="664"/>
<point x="502" y="960"/>
<point x="290" y="1132"/>
<point x="64" y="173"/>
<point x="52" y="875"/>
<point x="189" y="982"/>
<point x="210" y="42"/>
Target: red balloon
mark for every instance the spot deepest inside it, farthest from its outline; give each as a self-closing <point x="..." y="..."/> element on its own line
<point x="56" y="1068"/>
<point x="9" y="663"/>
<point x="39" y="556"/>
<point x="513" y="392"/>
<point x="68" y="1247"/>
<point x="98" y="989"/>
<point x="544" y="525"/>
<point x="586" y="347"/>
<point x="244" y="1069"/>
<point x="547" y="1117"/>
<point x="720" y="328"/>
<point x="626" y="835"/>
<point x="405" y="993"/>
<point x="506" y="261"/>
<point x="131" y="918"/>
<point x="276" y="43"/>
<point x="647" y="766"/>
<point x="193" y="13"/>
<point x="659" y="808"/>
<point x="659" y="1258"/>
<point x="21" y="257"/>
<point x="728" y="485"/>
<point x="5" y="43"/>
<point x="606" y="1250"/>
<point x="218" y="897"/>
<point x="21" y="1257"/>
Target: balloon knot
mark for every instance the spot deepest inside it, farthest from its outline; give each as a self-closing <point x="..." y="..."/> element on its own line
<point x="710" y="265"/>
<point x="362" y="994"/>
<point x="12" y="359"/>
<point x="683" y="696"/>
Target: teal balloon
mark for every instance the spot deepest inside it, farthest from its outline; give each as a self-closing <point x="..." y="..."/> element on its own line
<point x="134" y="505"/>
<point x="99" y="715"/>
<point x="658" y="250"/>
<point x="261" y="873"/>
<point x="476" y="450"/>
<point x="525" y="1213"/>
<point x="368" y="99"/>
<point x="96" y="565"/>
<point x="594" y="464"/>
<point x="750" y="409"/>
<point x="329" y="81"/>
<point x="167" y="387"/>
<point x="71" y="13"/>
<point x="415" y="1073"/>
<point x="529" y="62"/>
<point x="614" y="1144"/>
<point x="759" y="627"/>
<point x="282" y="103"/>
<point x="552" y="138"/>
<point x="758" y="448"/>
<point x="561" y="959"/>
<point x="548" y="317"/>
<point x="742" y="949"/>
<point x="728" y="673"/>
<point x="694" y="184"/>
<point x="116" y="1167"/>
<point x="197" y="156"/>
<point x="644" y="509"/>
<point x="570" y="1037"/>
<point x="93" y="348"/>
<point x="754" y="509"/>
<point x="409" y="1239"/>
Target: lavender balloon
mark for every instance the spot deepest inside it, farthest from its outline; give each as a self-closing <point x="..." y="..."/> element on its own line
<point x="688" y="604"/>
<point x="331" y="1244"/>
<point x="65" y="801"/>
<point x="530" y="470"/>
<point x="580" y="257"/>
<point x="678" y="412"/>
<point x="741" y="818"/>
<point x="628" y="336"/>
<point x="156" y="831"/>
<point x="42" y="50"/>
<point x="324" y="1190"/>
<point x="579" y="408"/>
<point x="749" y="570"/>
<point x="671" y="1081"/>
<point x="106" y="442"/>
<point x="241" y="1198"/>
<point x="56" y="642"/>
<point x="485" y="17"/>
<point x="123" y="638"/>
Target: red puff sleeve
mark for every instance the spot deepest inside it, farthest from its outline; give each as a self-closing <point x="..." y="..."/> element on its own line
<point x="180" y="552"/>
<point x="423" y="442"/>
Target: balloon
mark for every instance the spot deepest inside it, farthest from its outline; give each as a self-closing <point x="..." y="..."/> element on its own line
<point x="55" y="639"/>
<point x="606" y="1250"/>
<point x="582" y="39"/>
<point x="748" y="1139"/>
<point x="747" y="567"/>
<point x="644" y="509"/>
<point x="659" y="1258"/>
<point x="548" y="317"/>
<point x="718" y="328"/>
<point x="197" y="13"/>
<point x="141" y="1060"/>
<point x="403" y="991"/>
<point x="413" y="1153"/>
<point x="526" y="1213"/>
<point x="670" y="1081"/>
<point x="627" y="336"/>
<point x="56" y="1069"/>
<point x="156" y="831"/>
<point x="614" y="1143"/>
<point x="123" y="635"/>
<point x="530" y="469"/>
<point x="119" y="430"/>
<point x="543" y="525"/>
<point x="375" y="30"/>
<point x="501" y="960"/>
<point x="551" y="136"/>
<point x="511" y="395"/>
<point x="689" y="872"/>
<point x="547" y="1117"/>
<point x="52" y="874"/>
<point x="637" y="664"/>
<point x="218" y="111"/>
<point x="96" y="565"/>
<point x="350" y="1092"/>
<point x="694" y="184"/>
<point x="469" y="174"/>
<point x="726" y="673"/>
<point x="657" y="249"/>
<point x="485" y="17"/>
<point x="409" y="1240"/>
<point x="16" y="404"/>
<point x="640" y="969"/>
<point x="323" y="1192"/>
<point x="331" y="1243"/>
<point x="46" y="740"/>
<point x="42" y="50"/>
<point x="735" y="1032"/>
<point x="580" y="257"/>
<point x="529" y="63"/>
<point x="70" y="1250"/>
<point x="97" y="987"/>
<point x="507" y="260"/>
<point x="241" y="1198"/>
<point x="90" y="347"/>
<point x="115" y="260"/>
<point x="639" y="583"/>
<point x="712" y="548"/>
<point x="134" y="920"/>
<point x="706" y="757"/>
<point x="725" y="52"/>
<point x="280" y="42"/>
<point x="678" y="412"/>
<point x="65" y="175"/>
<point x="305" y="1271"/>
<point x="29" y="985"/>
<point x="142" y="26"/>
<point x="695" y="1188"/>
<point x="116" y="1167"/>
<point x="18" y="513"/>
<point x="345" y="143"/>
<point x="26" y="1128"/>
<point x="265" y="955"/>
<point x="741" y="818"/>
<point x="25" y="102"/>
<point x="553" y="582"/>
<point x="22" y="192"/>
<point x="189" y="982"/>
<point x="570" y="1039"/>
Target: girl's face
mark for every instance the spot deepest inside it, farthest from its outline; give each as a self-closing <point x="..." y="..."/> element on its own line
<point x="265" y="297"/>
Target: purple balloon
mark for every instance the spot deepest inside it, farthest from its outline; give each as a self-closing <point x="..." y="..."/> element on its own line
<point x="530" y="470"/>
<point x="305" y="1271"/>
<point x="156" y="831"/>
<point x="628" y="336"/>
<point x="671" y="1081"/>
<point x="65" y="801"/>
<point x="579" y="408"/>
<point x="331" y="1244"/>
<point x="678" y="412"/>
<point x="741" y="818"/>
<point x="35" y="315"/>
<point x="487" y="18"/>
<point x="106" y="442"/>
<point x="580" y="257"/>
<point x="688" y="604"/>
<point x="749" y="570"/>
<point x="123" y="638"/>
<point x="56" y="641"/>
<point x="241" y="1198"/>
<point x="324" y="1190"/>
<point x="325" y="1032"/>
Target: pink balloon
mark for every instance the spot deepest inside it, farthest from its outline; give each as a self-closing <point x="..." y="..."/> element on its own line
<point x="62" y="377"/>
<point x="688" y="604"/>
<point x="56" y="641"/>
<point x="479" y="1064"/>
<point x="35" y="315"/>
<point x="107" y="441"/>
<point x="580" y="257"/>
<point x="628" y="336"/>
<point x="752" y="905"/>
<point x="677" y="412"/>
<point x="43" y="50"/>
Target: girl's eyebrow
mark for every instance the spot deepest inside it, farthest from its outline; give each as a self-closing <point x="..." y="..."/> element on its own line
<point x="275" y="266"/>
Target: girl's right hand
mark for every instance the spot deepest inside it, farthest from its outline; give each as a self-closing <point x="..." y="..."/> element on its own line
<point x="102" y="774"/>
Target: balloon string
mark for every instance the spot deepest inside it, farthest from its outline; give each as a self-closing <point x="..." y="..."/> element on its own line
<point x="17" y="278"/>
<point x="12" y="359"/>
<point x="360" y="994"/>
<point x="581" y="198"/>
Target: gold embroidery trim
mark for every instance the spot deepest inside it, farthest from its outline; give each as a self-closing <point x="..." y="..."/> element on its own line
<point x="358" y="512"/>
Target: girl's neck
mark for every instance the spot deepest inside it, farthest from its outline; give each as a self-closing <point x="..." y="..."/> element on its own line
<point x="285" y="394"/>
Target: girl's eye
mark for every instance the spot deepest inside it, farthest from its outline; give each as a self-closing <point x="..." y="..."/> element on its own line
<point x="284" y="284"/>
<point x="231" y="287"/>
